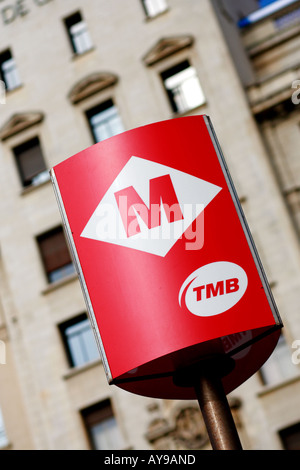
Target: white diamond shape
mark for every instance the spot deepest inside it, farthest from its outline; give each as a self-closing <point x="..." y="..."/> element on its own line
<point x="193" y="195"/>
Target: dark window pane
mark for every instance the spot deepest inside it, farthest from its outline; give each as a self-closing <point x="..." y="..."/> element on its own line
<point x="30" y="162"/>
<point x="183" y="87"/>
<point x="102" y="427"/>
<point x="78" y="33"/>
<point x="73" y="19"/>
<point x="55" y="254"/>
<point x="104" y="121"/>
<point x="8" y="70"/>
<point x="81" y="343"/>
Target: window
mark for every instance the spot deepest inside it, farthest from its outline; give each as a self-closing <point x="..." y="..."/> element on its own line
<point x="2" y="92"/>
<point x="78" y="33"/>
<point x="279" y="366"/>
<point x="104" y="121"/>
<point x="8" y="70"/>
<point x="154" y="7"/>
<point x="102" y="427"/>
<point x="3" y="437"/>
<point x="290" y="437"/>
<point x="79" y="341"/>
<point x="30" y="163"/>
<point x="55" y="255"/>
<point x="183" y="87"/>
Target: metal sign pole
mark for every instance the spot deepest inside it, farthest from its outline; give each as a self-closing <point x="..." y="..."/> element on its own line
<point x="205" y="377"/>
<point x="217" y="414"/>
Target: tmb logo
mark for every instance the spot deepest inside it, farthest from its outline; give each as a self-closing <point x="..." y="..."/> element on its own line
<point x="149" y="207"/>
<point x="213" y="289"/>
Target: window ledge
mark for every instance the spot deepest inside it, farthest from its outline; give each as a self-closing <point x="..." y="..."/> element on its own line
<point x="7" y="446"/>
<point x="272" y="388"/>
<point x="77" y="55"/>
<point x="151" y="18"/>
<point x="56" y="285"/>
<point x="188" y="111"/>
<point x="10" y="91"/>
<point x="79" y="369"/>
<point x="33" y="187"/>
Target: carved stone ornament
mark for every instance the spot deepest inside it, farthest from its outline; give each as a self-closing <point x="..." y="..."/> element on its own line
<point x="20" y="122"/>
<point x="187" y="432"/>
<point x="90" y="85"/>
<point x="166" y="47"/>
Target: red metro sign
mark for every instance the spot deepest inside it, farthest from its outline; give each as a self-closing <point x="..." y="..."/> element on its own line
<point x="167" y="265"/>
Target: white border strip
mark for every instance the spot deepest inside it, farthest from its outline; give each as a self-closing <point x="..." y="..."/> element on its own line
<point x="80" y="275"/>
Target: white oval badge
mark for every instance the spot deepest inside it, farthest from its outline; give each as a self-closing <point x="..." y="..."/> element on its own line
<point x="213" y="289"/>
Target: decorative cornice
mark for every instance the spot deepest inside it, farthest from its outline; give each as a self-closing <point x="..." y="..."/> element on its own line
<point x="90" y="85"/>
<point x="186" y="431"/>
<point x="20" y="122"/>
<point x="166" y="47"/>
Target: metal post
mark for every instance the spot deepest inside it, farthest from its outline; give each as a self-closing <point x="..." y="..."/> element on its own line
<point x="216" y="413"/>
<point x="206" y="377"/>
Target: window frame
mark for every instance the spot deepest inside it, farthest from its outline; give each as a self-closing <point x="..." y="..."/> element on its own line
<point x="70" y="22"/>
<point x="272" y="372"/>
<point x="102" y="107"/>
<point x="104" y="411"/>
<point x="5" y="57"/>
<point x="4" y="442"/>
<point x="19" y="151"/>
<point x="170" y="72"/>
<point x="72" y="322"/>
<point x="67" y="268"/>
<point x="158" y="11"/>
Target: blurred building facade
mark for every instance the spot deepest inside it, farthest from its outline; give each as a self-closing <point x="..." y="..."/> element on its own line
<point x="76" y="73"/>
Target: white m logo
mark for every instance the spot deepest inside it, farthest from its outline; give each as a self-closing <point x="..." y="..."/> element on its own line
<point x="162" y="196"/>
<point x="149" y="207"/>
